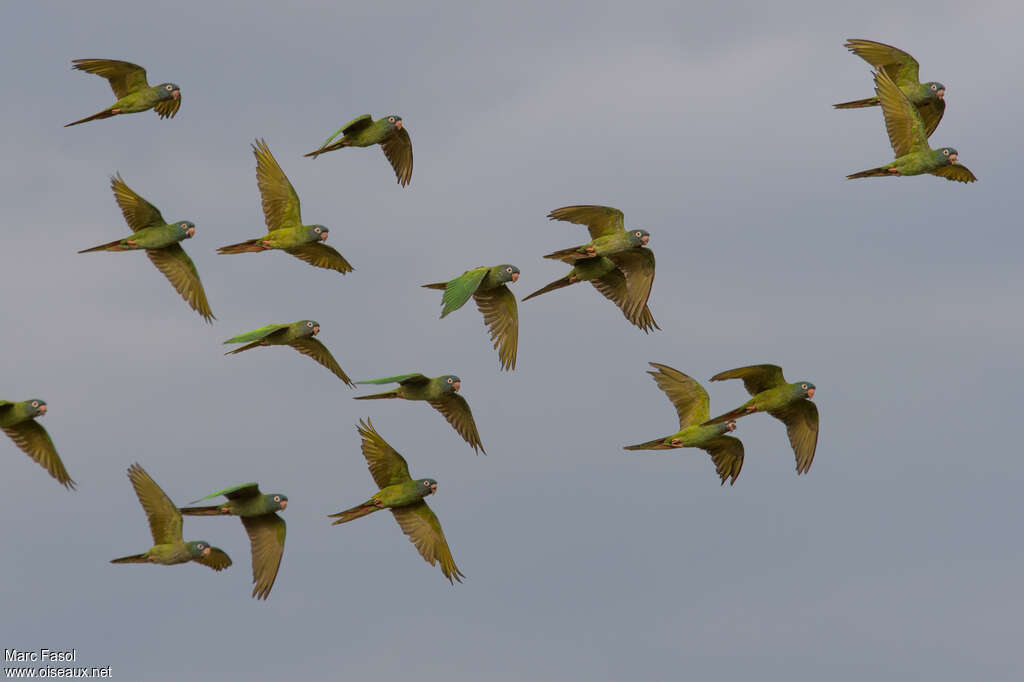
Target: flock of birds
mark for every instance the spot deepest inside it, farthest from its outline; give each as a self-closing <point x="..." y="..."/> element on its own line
<point x="616" y="261"/>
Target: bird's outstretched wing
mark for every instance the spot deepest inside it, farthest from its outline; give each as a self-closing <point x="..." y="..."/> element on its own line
<point x="902" y="120"/>
<point x="386" y="466"/>
<point x="756" y="378"/>
<point x="321" y="255"/>
<point x="266" y="543"/>
<point x="164" y="518"/>
<point x="124" y="77"/>
<point x="34" y="441"/>
<point x="420" y="523"/>
<point x="501" y="315"/>
<point x="801" y="420"/>
<point x="311" y="347"/>
<point x="138" y="212"/>
<point x="181" y="272"/>
<point x="456" y="410"/>
<point x="398" y="150"/>
<point x="600" y="220"/>
<point x="280" y="201"/>
<point x="687" y="396"/>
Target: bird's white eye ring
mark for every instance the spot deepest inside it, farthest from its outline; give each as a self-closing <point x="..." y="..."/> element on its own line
<point x="168" y="87"/>
<point x="317" y="230"/>
<point x="804" y="386"/>
<point x="508" y="269"/>
<point x="933" y="87"/>
<point x="309" y="324"/>
<point x="946" y="152"/>
<point x="449" y="380"/>
<point x="637" y="234"/>
<point x="35" y="403"/>
<point x="426" y="483"/>
<point x="391" y="119"/>
<point x="277" y="498"/>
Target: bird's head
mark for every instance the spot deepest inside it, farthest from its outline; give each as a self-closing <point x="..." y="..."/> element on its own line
<point x="307" y="327"/>
<point x="274" y="502"/>
<point x="316" y="233"/>
<point x="803" y="389"/>
<point x="949" y="154"/>
<point x="393" y="121"/>
<point x="451" y="383"/>
<point x="168" y="91"/>
<point x="198" y="548"/>
<point x="936" y="89"/>
<point x="427" y="486"/>
<point x="639" y="237"/>
<point x="507" y="273"/>
<point x="36" y="407"/>
<point x="185" y="229"/>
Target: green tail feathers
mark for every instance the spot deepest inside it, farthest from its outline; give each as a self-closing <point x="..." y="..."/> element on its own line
<point x="656" y="444"/>
<point x="880" y="172"/>
<point x="435" y="285"/>
<point x="212" y="510"/>
<point x="254" y="344"/>
<point x="133" y="559"/>
<point x="375" y="396"/>
<point x="353" y="513"/>
<point x="109" y="246"/>
<point x="557" y="284"/>
<point x="857" y="103"/>
<point x="250" y="246"/>
<point x="106" y="113"/>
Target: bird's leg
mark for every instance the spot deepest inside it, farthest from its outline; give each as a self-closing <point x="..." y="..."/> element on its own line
<point x="894" y="171"/>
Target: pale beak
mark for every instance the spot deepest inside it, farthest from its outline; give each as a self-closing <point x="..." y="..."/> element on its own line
<point x="42" y="409"/>
<point x="316" y="329"/>
<point x="810" y="393"/>
<point x="191" y="231"/>
<point x="941" y="93"/>
<point x="206" y="551"/>
<point x="953" y="158"/>
<point x="732" y="425"/>
<point x="176" y="94"/>
<point x="646" y="238"/>
<point x="515" y="276"/>
<point x="433" y="487"/>
<point x="284" y="504"/>
<point x="457" y="385"/>
<point x="398" y="124"/>
<point x="323" y="236"/>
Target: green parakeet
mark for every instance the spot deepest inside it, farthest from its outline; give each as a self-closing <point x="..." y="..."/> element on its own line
<point x="488" y="288"/>
<point x="299" y="335"/>
<point x="169" y="547"/>
<point x="128" y="81"/>
<point x="18" y="421"/>
<point x="441" y="393"/>
<point x="691" y="403"/>
<point x="624" y="278"/>
<point x="404" y="497"/>
<point x="929" y="98"/>
<point x="284" y="224"/>
<point x="909" y="140"/>
<point x="608" y="233"/>
<point x="388" y="132"/>
<point x="265" y="528"/>
<point x="789" y="403"/>
<point x="161" y="242"/>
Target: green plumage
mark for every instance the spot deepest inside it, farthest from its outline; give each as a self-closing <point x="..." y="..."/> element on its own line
<point x="788" y="402"/>
<point x="488" y="287"/>
<point x="285" y="231"/>
<point x="607" y="231"/>
<point x="134" y="94"/>
<point x="18" y="421"/>
<point x="266" y="530"/>
<point x="388" y="132"/>
<point x="161" y="242"/>
<point x="442" y="394"/>
<point x="299" y="335"/>
<point x="691" y="402"/>
<point x="405" y="498"/>
<point x="169" y="547"/>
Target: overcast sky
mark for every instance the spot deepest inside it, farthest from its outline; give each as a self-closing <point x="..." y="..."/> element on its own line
<point x="897" y="556"/>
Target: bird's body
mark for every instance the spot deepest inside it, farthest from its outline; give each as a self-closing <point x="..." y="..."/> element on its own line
<point x="442" y="394"/>
<point x="405" y="498"/>
<point x="169" y="547"/>
<point x="388" y="132"/>
<point x="134" y="94"/>
<point x="299" y="335"/>
<point x="18" y="421"/>
<point x="161" y="242"/>
<point x="788" y="402"/>
<point x="927" y="98"/>
<point x="691" y="402"/>
<point x="285" y="231"/>
<point x="909" y="140"/>
<point x="266" y="530"/>
<point x="487" y="286"/>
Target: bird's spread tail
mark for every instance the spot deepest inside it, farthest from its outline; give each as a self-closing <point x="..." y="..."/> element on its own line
<point x="250" y="246"/>
<point x="858" y="103"/>
<point x="656" y="444"/>
<point x="133" y="559"/>
<point x="106" y="113"/>
<point x="557" y="284"/>
<point x="375" y="396"/>
<point x="354" y="513"/>
<point x="109" y="246"/>
<point x="212" y="510"/>
<point x="879" y="172"/>
<point x="248" y="346"/>
<point x="435" y="285"/>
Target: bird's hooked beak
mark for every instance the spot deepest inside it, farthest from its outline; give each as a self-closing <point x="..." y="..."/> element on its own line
<point x="176" y="94"/>
<point x="941" y="93"/>
<point x="953" y="158"/>
<point x="191" y="231"/>
<point x="515" y="276"/>
<point x="323" y="236"/>
<point x="398" y="124"/>
<point x="732" y="425"/>
<point x="284" y="504"/>
<point x="42" y="408"/>
<point x="316" y="329"/>
<point x="206" y="551"/>
<point x="433" y="488"/>
<point x="810" y="393"/>
<point x="457" y="385"/>
<point x="646" y="238"/>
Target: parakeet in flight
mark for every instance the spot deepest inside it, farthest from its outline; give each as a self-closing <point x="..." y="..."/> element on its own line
<point x="624" y="278"/>
<point x="441" y="393"/>
<point x="169" y="547"/>
<point x="265" y="528"/>
<point x="161" y="242"/>
<point x="691" y="403"/>
<point x="608" y="234"/>
<point x="789" y="403"/>
<point x="909" y="140"/>
<point x="128" y="81"/>
<point x="488" y="288"/>
<point x="405" y="498"/>
<point x="388" y="132"/>
<point x="299" y="335"/>
<point x="18" y="421"/>
<point x="284" y="224"/>
<point x="929" y="98"/>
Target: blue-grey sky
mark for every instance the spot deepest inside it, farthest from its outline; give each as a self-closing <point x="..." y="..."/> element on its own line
<point x="897" y="556"/>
